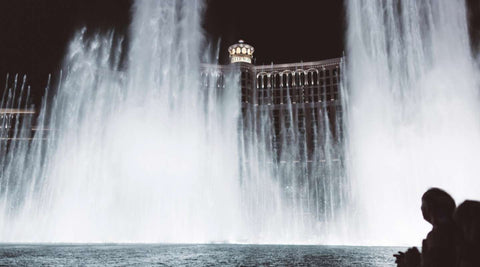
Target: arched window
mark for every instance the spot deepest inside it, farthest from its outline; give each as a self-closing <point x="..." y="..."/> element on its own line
<point x="302" y="78"/>
<point x="259" y="81"/>
<point x="266" y="82"/>
<point x="284" y="80"/>
<point x="276" y="80"/>
<point x="289" y="79"/>
<point x="312" y="77"/>
<point x="262" y="80"/>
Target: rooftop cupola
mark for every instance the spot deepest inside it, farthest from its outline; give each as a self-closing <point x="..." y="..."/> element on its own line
<point x="241" y="52"/>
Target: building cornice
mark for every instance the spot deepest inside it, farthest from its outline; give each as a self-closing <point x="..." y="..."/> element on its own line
<point x="273" y="67"/>
<point x="326" y="62"/>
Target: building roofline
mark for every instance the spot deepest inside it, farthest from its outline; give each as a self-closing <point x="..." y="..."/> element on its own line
<point x="330" y="61"/>
<point x="300" y="64"/>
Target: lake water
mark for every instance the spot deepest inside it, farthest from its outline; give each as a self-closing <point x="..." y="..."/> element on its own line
<point x="194" y="255"/>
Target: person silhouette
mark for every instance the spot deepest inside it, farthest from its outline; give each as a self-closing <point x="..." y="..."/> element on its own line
<point x="467" y="219"/>
<point x="438" y="248"/>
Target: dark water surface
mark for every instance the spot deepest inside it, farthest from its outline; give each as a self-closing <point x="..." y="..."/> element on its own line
<point x="194" y="255"/>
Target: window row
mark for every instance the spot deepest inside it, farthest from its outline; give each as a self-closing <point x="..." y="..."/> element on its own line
<point x="296" y="78"/>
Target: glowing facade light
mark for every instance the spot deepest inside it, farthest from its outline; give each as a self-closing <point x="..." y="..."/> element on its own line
<point x="241" y="52"/>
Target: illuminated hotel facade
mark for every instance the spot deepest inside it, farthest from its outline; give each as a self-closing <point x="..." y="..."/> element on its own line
<point x="304" y="95"/>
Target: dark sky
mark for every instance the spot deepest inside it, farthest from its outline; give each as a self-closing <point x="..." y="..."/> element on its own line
<point x="280" y="31"/>
<point x="34" y="33"/>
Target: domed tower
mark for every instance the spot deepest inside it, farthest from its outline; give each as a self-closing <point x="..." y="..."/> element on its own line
<point x="241" y="52"/>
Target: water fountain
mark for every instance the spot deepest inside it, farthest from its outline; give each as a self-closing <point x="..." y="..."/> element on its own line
<point x="124" y="158"/>
<point x="413" y="113"/>
<point x="153" y="152"/>
<point x="149" y="151"/>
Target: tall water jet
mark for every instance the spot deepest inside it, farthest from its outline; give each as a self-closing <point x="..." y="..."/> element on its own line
<point x="155" y="144"/>
<point x="413" y="113"/>
<point x="125" y="156"/>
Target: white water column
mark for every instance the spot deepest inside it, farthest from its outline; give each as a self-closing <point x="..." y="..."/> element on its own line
<point x="413" y="114"/>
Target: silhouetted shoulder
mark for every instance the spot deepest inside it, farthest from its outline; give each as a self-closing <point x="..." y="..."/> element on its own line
<point x="467" y="219"/>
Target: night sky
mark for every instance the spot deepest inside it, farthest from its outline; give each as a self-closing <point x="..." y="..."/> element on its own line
<point x="35" y="33"/>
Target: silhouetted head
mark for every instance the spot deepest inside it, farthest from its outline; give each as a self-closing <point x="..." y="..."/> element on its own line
<point x="467" y="218"/>
<point x="437" y="206"/>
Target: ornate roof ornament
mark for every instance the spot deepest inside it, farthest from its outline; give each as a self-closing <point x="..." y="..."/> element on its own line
<point x="241" y="52"/>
